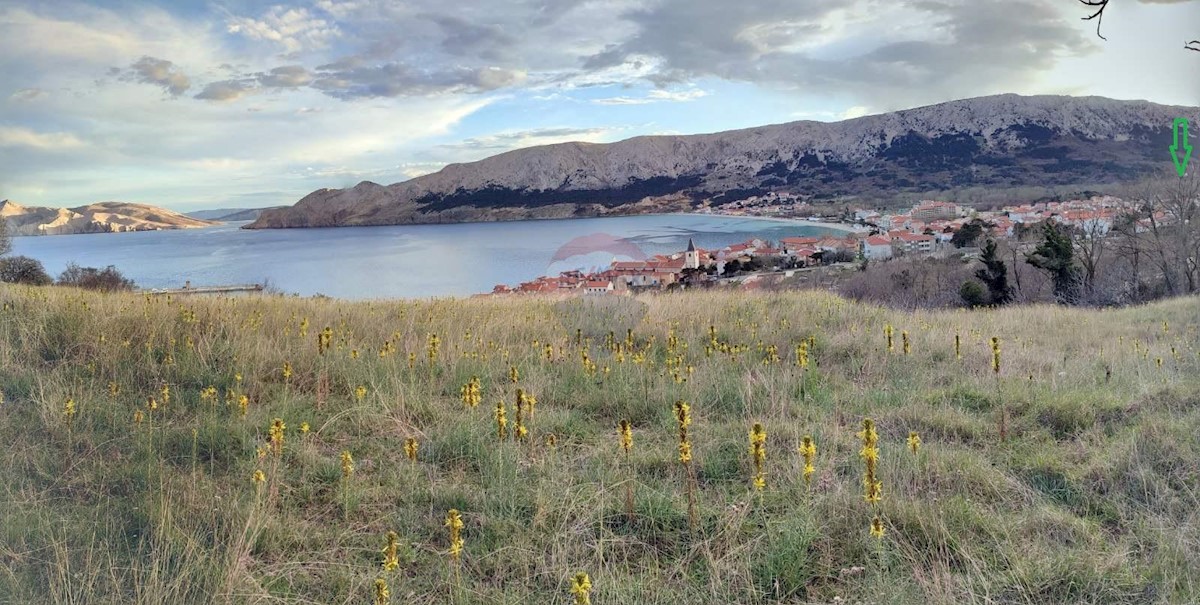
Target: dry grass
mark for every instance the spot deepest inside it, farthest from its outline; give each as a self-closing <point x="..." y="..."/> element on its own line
<point x="1090" y="498"/>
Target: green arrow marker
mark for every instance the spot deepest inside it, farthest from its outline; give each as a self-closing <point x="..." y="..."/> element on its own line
<point x="1181" y="159"/>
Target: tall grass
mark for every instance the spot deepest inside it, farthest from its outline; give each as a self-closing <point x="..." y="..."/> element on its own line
<point x="1090" y="498"/>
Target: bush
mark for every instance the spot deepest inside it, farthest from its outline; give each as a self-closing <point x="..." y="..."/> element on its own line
<point x="91" y="278"/>
<point x="24" y="270"/>
<point x="973" y="294"/>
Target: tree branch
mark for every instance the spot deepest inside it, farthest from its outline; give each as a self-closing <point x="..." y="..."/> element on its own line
<point x="1193" y="45"/>
<point x="1098" y="15"/>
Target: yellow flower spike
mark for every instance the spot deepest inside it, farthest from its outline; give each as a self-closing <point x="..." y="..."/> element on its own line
<point x="581" y="587"/>
<point x="390" y="559"/>
<point x="138" y="417"/>
<point x="287" y="370"/>
<point x="454" y="524"/>
<point x="243" y="404"/>
<point x="276" y="435"/>
<point x="683" y="418"/>
<point x="625" y="430"/>
<point x="347" y="464"/>
<point x="872" y="487"/>
<point x="151" y="404"/>
<point x="360" y="393"/>
<point x="501" y="421"/>
<point x="877" y="529"/>
<point x="259" y="476"/>
<point x="382" y="594"/>
<point x="303" y="428"/>
<point x="808" y="450"/>
<point x="995" y="355"/>
<point x="758" y="454"/>
<point x="69" y="410"/>
<point x="914" y="441"/>
<point x="904" y="339"/>
<point x="410" y="449"/>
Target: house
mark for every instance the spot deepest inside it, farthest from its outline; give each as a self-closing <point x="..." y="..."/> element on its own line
<point x="598" y="287"/>
<point x="929" y="210"/>
<point x="914" y="242"/>
<point x="877" y="247"/>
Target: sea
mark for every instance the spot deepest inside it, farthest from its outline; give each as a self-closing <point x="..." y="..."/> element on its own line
<point x="417" y="261"/>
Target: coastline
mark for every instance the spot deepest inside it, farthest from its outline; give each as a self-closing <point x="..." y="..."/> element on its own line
<point x="795" y="221"/>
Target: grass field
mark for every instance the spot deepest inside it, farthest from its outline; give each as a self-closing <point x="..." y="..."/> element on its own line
<point x="134" y="429"/>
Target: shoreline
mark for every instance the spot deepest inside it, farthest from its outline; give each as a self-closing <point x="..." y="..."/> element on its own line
<point x="775" y="219"/>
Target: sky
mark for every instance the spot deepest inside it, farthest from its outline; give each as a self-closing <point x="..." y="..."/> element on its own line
<point x="243" y="103"/>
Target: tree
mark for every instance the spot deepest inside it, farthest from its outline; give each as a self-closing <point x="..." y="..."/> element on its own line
<point x="1089" y="241"/>
<point x="23" y="270"/>
<point x="91" y="278"/>
<point x="1161" y="227"/>
<point x="994" y="275"/>
<point x="1056" y="256"/>
<point x="5" y="237"/>
<point x="967" y="235"/>
<point x="972" y="294"/>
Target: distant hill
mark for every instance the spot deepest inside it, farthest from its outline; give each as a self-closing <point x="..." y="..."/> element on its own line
<point x="997" y="142"/>
<point x="103" y="217"/>
<point x="230" y="214"/>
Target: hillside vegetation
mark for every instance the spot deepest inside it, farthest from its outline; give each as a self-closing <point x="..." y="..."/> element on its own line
<point x="139" y="464"/>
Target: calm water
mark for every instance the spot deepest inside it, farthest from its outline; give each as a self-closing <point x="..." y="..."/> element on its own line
<point x="392" y="262"/>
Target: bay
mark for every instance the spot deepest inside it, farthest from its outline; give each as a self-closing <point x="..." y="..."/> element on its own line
<point x="410" y="261"/>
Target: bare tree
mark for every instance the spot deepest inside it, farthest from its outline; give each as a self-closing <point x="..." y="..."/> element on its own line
<point x="1100" y="5"/>
<point x="1089" y="241"/>
<point x="1161" y="228"/>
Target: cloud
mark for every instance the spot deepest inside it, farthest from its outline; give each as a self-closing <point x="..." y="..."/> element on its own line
<point x="160" y="72"/>
<point x="655" y="96"/>
<point x="225" y="90"/>
<point x="348" y="79"/>
<point x="294" y="29"/>
<point x="17" y="136"/>
<point x="26" y="95"/>
<point x="288" y="76"/>
<point x="907" y="52"/>
<point x="526" y="138"/>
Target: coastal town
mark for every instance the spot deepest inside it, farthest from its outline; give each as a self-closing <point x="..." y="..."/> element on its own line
<point x="928" y="227"/>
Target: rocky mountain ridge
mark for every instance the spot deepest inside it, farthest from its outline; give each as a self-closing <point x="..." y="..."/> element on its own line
<point x="102" y="217"/>
<point x="995" y="142"/>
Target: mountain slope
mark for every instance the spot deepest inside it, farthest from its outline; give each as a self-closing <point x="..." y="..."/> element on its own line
<point x="230" y="214"/>
<point x="998" y="141"/>
<point x="104" y="217"/>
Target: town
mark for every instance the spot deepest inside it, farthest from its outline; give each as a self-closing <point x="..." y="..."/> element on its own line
<point x="928" y="227"/>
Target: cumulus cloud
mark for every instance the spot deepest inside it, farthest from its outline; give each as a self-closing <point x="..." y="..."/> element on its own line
<point x="159" y="72"/>
<point x="288" y="76"/>
<point x="294" y="29"/>
<point x="225" y="90"/>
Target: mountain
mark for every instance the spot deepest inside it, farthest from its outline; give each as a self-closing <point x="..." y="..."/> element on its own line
<point x="104" y="217"/>
<point x="1002" y="141"/>
<point x="230" y="214"/>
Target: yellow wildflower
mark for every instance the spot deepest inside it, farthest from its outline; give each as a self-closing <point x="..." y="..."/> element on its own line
<point x="410" y="449"/>
<point x="581" y="587"/>
<point x="382" y="594"/>
<point x="390" y="559"/>
<point x="259" y="476"/>
<point x="454" y="523"/>
<point x="347" y="464"/>
<point x="914" y="441"/>
<point x="808" y="450"/>
<point x="877" y="529"/>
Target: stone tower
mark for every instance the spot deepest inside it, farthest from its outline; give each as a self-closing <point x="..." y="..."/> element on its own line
<point x="691" y="258"/>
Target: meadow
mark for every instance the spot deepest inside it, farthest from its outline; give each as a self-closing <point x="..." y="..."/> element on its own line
<point x="685" y="448"/>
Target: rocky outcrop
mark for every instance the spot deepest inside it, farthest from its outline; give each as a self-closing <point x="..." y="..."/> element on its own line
<point x="104" y="217"/>
<point x="1001" y="141"/>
